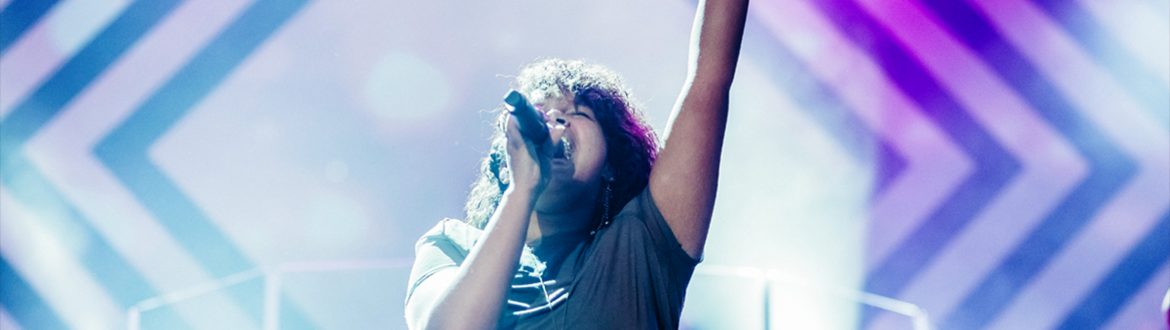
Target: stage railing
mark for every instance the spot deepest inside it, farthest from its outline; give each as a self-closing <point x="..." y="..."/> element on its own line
<point x="771" y="279"/>
<point x="272" y="279"/>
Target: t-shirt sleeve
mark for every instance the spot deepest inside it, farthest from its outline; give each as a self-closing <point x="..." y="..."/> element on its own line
<point x="434" y="251"/>
<point x="660" y="234"/>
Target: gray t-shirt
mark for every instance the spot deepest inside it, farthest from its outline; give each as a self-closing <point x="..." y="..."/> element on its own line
<point x="632" y="274"/>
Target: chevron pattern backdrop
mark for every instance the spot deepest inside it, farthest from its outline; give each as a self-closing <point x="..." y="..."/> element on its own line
<point x="185" y="164"/>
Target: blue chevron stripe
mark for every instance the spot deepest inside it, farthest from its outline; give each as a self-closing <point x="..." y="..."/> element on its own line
<point x="1108" y="52"/>
<point x="124" y="150"/>
<point x="18" y="16"/>
<point x="1126" y="279"/>
<point x="1041" y="245"/>
<point x="890" y="165"/>
<point x="51" y="97"/>
<point x="23" y="303"/>
<point x="1108" y="168"/>
<point x="994" y="167"/>
<point x="29" y="186"/>
<point x="820" y="102"/>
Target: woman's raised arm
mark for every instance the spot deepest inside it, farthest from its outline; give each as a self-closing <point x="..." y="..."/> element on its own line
<point x="685" y="176"/>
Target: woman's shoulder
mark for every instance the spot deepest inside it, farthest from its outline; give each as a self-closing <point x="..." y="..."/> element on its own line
<point x="453" y="233"/>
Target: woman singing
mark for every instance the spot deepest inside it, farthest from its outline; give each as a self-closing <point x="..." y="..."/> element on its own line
<point x="597" y="228"/>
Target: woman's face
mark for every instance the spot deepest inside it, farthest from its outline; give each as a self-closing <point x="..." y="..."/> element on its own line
<point x="574" y="174"/>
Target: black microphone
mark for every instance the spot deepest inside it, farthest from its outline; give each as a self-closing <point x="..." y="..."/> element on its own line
<point x="532" y="125"/>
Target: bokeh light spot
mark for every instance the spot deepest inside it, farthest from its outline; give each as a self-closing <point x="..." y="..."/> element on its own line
<point x="406" y="87"/>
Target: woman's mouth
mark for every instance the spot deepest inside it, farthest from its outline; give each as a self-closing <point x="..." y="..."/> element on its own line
<point x="564" y="150"/>
<point x="562" y="159"/>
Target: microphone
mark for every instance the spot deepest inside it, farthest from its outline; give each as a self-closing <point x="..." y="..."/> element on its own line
<point x="531" y="124"/>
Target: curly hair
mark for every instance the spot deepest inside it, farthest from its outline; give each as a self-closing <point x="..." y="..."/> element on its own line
<point x="631" y="143"/>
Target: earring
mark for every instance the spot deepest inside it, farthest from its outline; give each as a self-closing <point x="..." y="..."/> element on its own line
<point x="505" y="176"/>
<point x="604" y="207"/>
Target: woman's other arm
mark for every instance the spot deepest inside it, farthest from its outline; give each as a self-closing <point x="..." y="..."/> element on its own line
<point x="685" y="176"/>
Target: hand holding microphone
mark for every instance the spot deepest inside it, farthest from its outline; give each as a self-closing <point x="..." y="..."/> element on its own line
<point x="528" y="138"/>
<point x="530" y="120"/>
<point x="532" y="123"/>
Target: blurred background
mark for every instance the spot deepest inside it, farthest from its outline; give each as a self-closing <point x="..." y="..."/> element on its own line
<point x="889" y="164"/>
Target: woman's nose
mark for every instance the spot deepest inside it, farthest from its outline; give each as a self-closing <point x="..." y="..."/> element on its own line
<point x="557" y="124"/>
<point x="555" y="117"/>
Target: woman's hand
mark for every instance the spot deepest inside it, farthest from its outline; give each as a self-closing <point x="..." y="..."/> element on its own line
<point x="525" y="160"/>
<point x="472" y="296"/>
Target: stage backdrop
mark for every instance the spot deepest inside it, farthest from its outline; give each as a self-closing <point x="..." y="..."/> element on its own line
<point x="245" y="164"/>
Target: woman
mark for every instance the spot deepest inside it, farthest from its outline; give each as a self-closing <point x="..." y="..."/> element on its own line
<point x="598" y="227"/>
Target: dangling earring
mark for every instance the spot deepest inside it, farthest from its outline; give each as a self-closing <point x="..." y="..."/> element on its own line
<point x="500" y="168"/>
<point x="505" y="178"/>
<point x="604" y="206"/>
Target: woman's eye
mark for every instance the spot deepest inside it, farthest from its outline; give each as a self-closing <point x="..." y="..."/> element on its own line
<point x="582" y="114"/>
